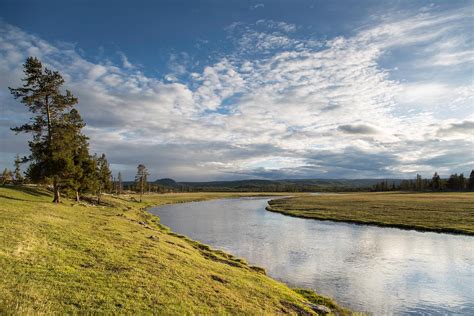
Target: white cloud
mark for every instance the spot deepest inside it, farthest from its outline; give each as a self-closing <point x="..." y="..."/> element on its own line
<point x="277" y="25"/>
<point x="217" y="82"/>
<point x="463" y="130"/>
<point x="306" y="108"/>
<point x="256" y="6"/>
<point x="125" y="62"/>
<point x="424" y="93"/>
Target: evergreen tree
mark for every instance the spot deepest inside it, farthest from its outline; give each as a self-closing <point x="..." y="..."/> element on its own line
<point x="453" y="182"/>
<point x="419" y="183"/>
<point x="470" y="181"/>
<point x="51" y="158"/>
<point x="7" y="177"/>
<point x="103" y="175"/>
<point x="141" y="179"/>
<point x="82" y="176"/>
<point x="461" y="182"/>
<point x="120" y="184"/>
<point x="87" y="176"/>
<point x="17" y="173"/>
<point x="436" y="182"/>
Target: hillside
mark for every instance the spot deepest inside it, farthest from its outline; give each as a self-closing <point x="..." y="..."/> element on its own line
<point x="117" y="258"/>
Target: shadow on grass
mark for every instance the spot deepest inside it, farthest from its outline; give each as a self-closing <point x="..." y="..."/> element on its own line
<point x="35" y="191"/>
<point x="93" y="201"/>
<point x="12" y="198"/>
<point x="32" y="191"/>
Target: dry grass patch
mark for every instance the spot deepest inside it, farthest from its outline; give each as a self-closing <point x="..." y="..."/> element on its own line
<point x="440" y="212"/>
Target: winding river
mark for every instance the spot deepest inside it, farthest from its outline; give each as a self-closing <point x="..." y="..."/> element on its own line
<point x="365" y="268"/>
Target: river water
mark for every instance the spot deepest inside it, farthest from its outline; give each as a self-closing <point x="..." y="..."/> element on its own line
<point x="365" y="268"/>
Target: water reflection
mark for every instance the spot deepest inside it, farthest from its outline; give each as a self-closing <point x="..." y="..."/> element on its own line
<point x="382" y="270"/>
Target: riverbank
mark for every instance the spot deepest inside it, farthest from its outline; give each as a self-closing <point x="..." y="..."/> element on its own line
<point x="451" y="212"/>
<point x="117" y="258"/>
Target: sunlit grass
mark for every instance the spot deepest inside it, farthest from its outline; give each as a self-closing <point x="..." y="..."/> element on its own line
<point x="72" y="258"/>
<point x="442" y="212"/>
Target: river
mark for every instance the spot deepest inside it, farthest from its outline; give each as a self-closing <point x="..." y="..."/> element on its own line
<point x="365" y="268"/>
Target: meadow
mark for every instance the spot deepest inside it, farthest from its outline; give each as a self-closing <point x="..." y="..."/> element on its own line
<point x="451" y="212"/>
<point x="117" y="258"/>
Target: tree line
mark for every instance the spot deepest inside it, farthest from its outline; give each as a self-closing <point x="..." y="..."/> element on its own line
<point x="455" y="182"/>
<point x="59" y="151"/>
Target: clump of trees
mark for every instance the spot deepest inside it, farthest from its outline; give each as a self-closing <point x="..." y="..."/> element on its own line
<point x="455" y="182"/>
<point x="59" y="151"/>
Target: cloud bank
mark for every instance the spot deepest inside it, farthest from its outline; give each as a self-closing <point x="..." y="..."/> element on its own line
<point x="279" y="106"/>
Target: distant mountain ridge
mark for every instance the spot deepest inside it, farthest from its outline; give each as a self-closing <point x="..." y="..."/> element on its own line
<point x="290" y="184"/>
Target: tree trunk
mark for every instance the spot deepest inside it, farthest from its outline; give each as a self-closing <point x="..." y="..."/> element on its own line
<point x="78" y="199"/>
<point x="48" y="116"/>
<point x="98" y="197"/>
<point x="57" y="195"/>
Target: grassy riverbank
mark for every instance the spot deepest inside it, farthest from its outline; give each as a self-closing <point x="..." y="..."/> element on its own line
<point x="117" y="258"/>
<point x="440" y="212"/>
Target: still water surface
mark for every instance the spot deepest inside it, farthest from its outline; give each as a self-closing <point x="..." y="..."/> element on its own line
<point x="366" y="268"/>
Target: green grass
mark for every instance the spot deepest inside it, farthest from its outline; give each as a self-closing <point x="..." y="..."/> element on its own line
<point x="440" y="212"/>
<point x="117" y="258"/>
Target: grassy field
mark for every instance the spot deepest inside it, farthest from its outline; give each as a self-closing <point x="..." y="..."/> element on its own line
<point x="440" y="212"/>
<point x="117" y="258"/>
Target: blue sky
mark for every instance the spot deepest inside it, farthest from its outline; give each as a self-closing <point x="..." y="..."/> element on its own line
<point x="201" y="90"/>
<point x="149" y="31"/>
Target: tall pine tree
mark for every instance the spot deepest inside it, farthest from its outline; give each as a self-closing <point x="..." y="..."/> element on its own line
<point x="436" y="182"/>
<point x="52" y="156"/>
<point x="119" y="184"/>
<point x="17" y="172"/>
<point x="470" y="181"/>
<point x="141" y="179"/>
<point x="104" y="176"/>
<point x="83" y="177"/>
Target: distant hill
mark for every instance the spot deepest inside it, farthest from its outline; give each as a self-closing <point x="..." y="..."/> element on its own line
<point x="167" y="182"/>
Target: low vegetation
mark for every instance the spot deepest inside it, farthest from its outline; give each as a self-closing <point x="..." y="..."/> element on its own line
<point x="440" y="212"/>
<point x="116" y="258"/>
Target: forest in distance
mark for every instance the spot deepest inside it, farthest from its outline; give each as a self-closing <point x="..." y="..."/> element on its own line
<point x="454" y="183"/>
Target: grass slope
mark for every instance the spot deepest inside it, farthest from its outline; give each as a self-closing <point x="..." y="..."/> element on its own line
<point x="79" y="258"/>
<point x="440" y="212"/>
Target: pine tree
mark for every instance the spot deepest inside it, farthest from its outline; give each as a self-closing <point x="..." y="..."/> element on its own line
<point x="436" y="182"/>
<point x="87" y="180"/>
<point x="141" y="179"/>
<point x="419" y="182"/>
<point x="51" y="158"/>
<point x="470" y="181"/>
<point x="120" y="184"/>
<point x="82" y="176"/>
<point x="85" y="173"/>
<point x="461" y="182"/>
<point x="104" y="176"/>
<point x="17" y="173"/>
<point x="452" y="183"/>
<point x="7" y="176"/>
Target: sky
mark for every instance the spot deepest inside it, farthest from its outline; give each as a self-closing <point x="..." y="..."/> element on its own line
<point x="222" y="90"/>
